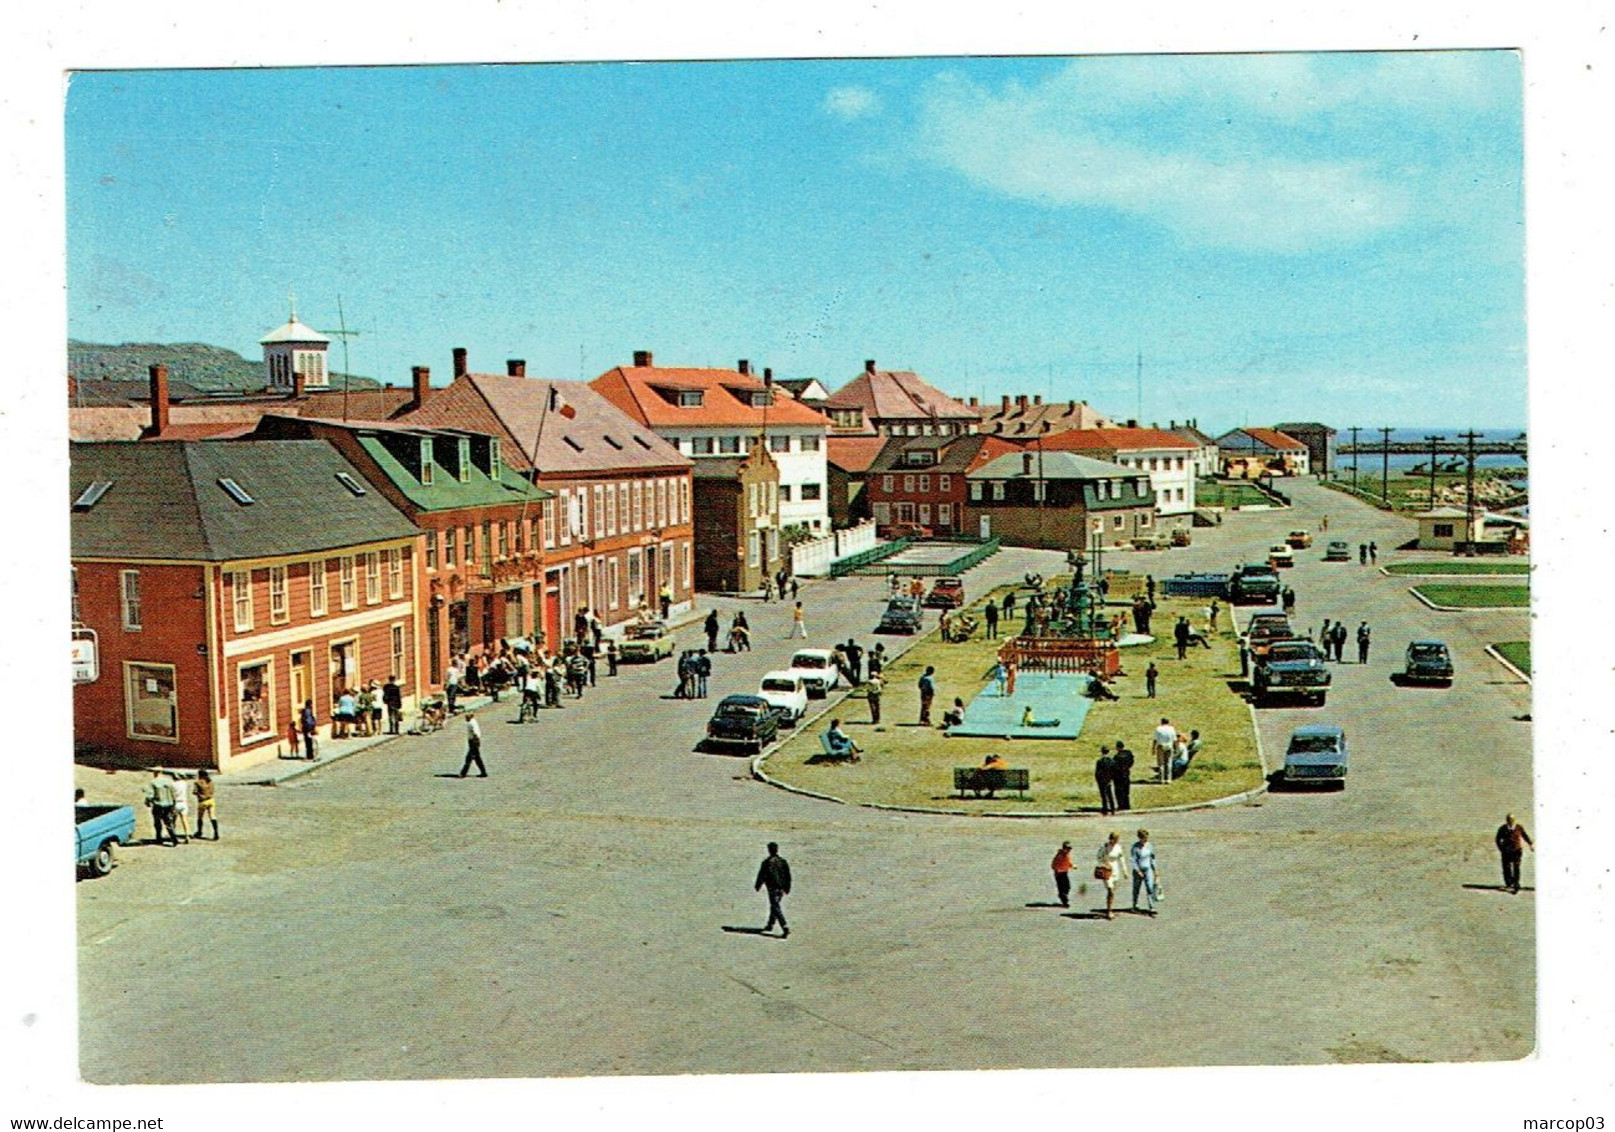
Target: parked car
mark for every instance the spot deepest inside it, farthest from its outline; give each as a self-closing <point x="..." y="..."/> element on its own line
<point x="1337" y="551"/>
<point x="902" y="616"/>
<point x="743" y="721"/>
<point x="816" y="670"/>
<point x="1180" y="537"/>
<point x="1291" y="668"/>
<point x="1146" y="542"/>
<point x="1254" y="583"/>
<point x="946" y="593"/>
<point x="906" y="530"/>
<point x="1316" y="754"/>
<point x="1265" y="628"/>
<point x="786" y="692"/>
<point x="100" y="830"/>
<point x="649" y="642"/>
<point x="1280" y="555"/>
<point x="1299" y="540"/>
<point x="1428" y="661"/>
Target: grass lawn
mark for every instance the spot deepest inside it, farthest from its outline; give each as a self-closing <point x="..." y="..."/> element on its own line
<point x="1517" y="653"/>
<point x="1215" y="493"/>
<point x="1476" y="597"/>
<point x="1432" y="569"/>
<point x="907" y="765"/>
<point x="1407" y="492"/>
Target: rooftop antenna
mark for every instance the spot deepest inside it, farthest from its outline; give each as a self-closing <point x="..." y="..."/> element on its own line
<point x="1139" y="405"/>
<point x="343" y="333"/>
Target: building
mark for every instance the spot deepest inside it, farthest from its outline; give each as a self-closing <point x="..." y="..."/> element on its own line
<point x="896" y="403"/>
<point x="1168" y="459"/>
<point x="808" y="390"/>
<point x="1320" y="441"/>
<point x="737" y="527"/>
<point x="1061" y="501"/>
<point x="1251" y="452"/>
<point x="619" y="526"/>
<point x="1448" y="528"/>
<point x="295" y="352"/>
<point x="1207" y="456"/>
<point x="714" y="413"/>
<point x="1026" y="417"/>
<point x="224" y="585"/>
<point x="920" y="481"/>
<point x="483" y="563"/>
<point x="847" y="461"/>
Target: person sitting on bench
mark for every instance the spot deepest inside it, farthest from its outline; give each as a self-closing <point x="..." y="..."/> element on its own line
<point x="1029" y="720"/>
<point x="1098" y="690"/>
<point x="986" y="778"/>
<point x="839" y="744"/>
<point x="1181" y="763"/>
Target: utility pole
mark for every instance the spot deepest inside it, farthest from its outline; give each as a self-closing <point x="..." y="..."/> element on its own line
<point x="1469" y="489"/>
<point x="1385" y="464"/>
<point x="1434" y="440"/>
<point x="1354" y="454"/>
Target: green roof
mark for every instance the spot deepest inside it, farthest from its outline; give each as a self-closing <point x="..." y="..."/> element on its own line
<point x="446" y="492"/>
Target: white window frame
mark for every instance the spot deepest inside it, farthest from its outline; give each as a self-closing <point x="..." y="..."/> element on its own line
<point x="372" y="578"/>
<point x="270" y="731"/>
<point x="998" y="490"/>
<point x="548" y="522"/>
<point x="241" y="600"/>
<point x="316" y="587"/>
<point x="888" y="483"/>
<point x="130" y="668"/>
<point x="810" y="444"/>
<point x="612" y="599"/>
<point x="129" y="599"/>
<point x="279" y="608"/>
<point x="975" y="491"/>
<point x="395" y="572"/>
<point x="566" y="516"/>
<point x="398" y="652"/>
<point x="908" y="483"/>
<point x="348" y="582"/>
<point x="944" y="483"/>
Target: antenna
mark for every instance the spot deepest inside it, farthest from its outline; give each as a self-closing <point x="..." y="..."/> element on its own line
<point x="1385" y="464"/>
<point x="1139" y="407"/>
<point x="344" y="334"/>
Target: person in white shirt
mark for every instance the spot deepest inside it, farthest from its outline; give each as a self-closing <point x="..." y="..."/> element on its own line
<point x="1109" y="865"/>
<point x="1165" y="738"/>
<point x="182" y="807"/>
<point x="473" y="746"/>
<point x="1143" y="858"/>
<point x="451" y="684"/>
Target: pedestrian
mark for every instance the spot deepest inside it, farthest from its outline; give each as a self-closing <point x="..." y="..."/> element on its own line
<point x="1325" y="523"/>
<point x="927" y="685"/>
<point x="160" y="801"/>
<point x="1244" y="658"/>
<point x="1373" y="553"/>
<point x="1122" y="776"/>
<point x="1001" y="678"/>
<point x="473" y="746"/>
<point x="1362" y="643"/>
<point x="779" y="583"/>
<point x="1164" y="739"/>
<point x="1149" y="587"/>
<point x="1211" y="614"/>
<point x="711" y="625"/>
<point x="1186" y="751"/>
<point x="377" y="707"/>
<point x="552" y="684"/>
<point x="310" y="724"/>
<point x="1150" y="675"/>
<point x="1010" y="670"/>
<point x="665" y="596"/>
<point x="451" y="686"/>
<point x="873" y="688"/>
<point x="1287" y="600"/>
<point x="774" y="874"/>
<point x="1362" y="554"/>
<point x="1062" y="874"/>
<point x="1340" y="636"/>
<point x="1512" y="841"/>
<point x="182" y="808"/>
<point x="392" y="696"/>
<point x="1180" y="635"/>
<point x="855" y="661"/>
<point x="1144" y="870"/>
<point x="1009" y="604"/>
<point x="703" y="670"/>
<point x="740" y="632"/>
<point x="1110" y="865"/>
<point x="1104" y="777"/>
<point x="798" y="623"/>
<point x="877" y="659"/>
<point x="205" y="809"/>
<point x="1149" y="612"/>
<point x="768" y="589"/>
<point x="991" y="613"/>
<point x="1324" y="637"/>
<point x="597" y="631"/>
<point x="611" y="658"/>
<point x="592" y="659"/>
<point x="795" y="588"/>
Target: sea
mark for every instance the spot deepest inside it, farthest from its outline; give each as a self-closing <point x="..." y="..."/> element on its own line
<point x="1372" y="462"/>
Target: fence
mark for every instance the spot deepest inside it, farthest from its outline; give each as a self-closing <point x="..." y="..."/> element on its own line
<point x="817" y="557"/>
<point x="1062" y="654"/>
<point x="972" y="552"/>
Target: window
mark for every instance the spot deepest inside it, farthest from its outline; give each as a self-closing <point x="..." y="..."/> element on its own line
<point x="684" y="500"/>
<point x="598" y="518"/>
<point x="888" y="483"/>
<point x="1116" y="522"/>
<point x="353" y="485"/>
<point x="729" y="444"/>
<point x="427" y="465"/>
<point x="150" y="706"/>
<point x="754" y="548"/>
<point x="779" y="443"/>
<point x="398" y="668"/>
<point x="494" y="469"/>
<point x="237" y="492"/>
<point x="349" y="581"/>
<point x="257" y="719"/>
<point x="465" y="459"/>
<point x="944" y="514"/>
<point x="473" y="550"/>
<point x="499" y="536"/>
<point x="925" y="483"/>
<point x="810" y="491"/>
<point x="92" y="495"/>
<point x="395" y="572"/>
<point x="568" y="519"/>
<point x="316" y="588"/>
<point x="636" y="582"/>
<point x="998" y="489"/>
<point x="1143" y="519"/>
<point x="944" y="483"/>
<point x="549" y="522"/>
<point x="279" y="614"/>
<point x="612" y="594"/>
<point x="661" y="503"/>
<point x="761" y="398"/>
<point x="690" y="398"/>
<point x="810" y="444"/>
<point x="925" y="514"/>
<point x="130" y="595"/>
<point x="1040" y="490"/>
<point x="908" y="483"/>
<point x="431" y="550"/>
<point x="785" y="492"/>
<point x="1141" y="486"/>
<point x="241" y="594"/>
<point x="1442" y="530"/>
<point x="701" y="446"/>
<point x="639" y="504"/>
<point x="450" y="536"/>
<point x="975" y="492"/>
<point x="372" y="578"/>
<point x="1098" y="525"/>
<point x="905" y="512"/>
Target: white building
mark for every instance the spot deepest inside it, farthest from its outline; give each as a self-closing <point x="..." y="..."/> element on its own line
<point x="294" y="350"/>
<point x="1169" y="460"/>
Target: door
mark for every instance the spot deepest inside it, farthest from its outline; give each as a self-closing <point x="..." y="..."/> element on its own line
<point x="513" y="613"/>
<point x="986" y="522"/>
<point x="302" y="672"/>
<point x="344" y="668"/>
<point x="459" y="628"/>
<point x="552" y="610"/>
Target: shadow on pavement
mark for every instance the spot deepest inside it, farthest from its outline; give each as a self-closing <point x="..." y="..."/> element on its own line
<point x="732" y="930"/>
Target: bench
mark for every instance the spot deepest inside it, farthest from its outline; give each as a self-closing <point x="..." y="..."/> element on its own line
<point x="980" y="780"/>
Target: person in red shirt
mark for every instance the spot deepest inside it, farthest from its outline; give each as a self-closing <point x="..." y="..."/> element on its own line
<point x="1512" y="841"/>
<point x="1062" y="874"/>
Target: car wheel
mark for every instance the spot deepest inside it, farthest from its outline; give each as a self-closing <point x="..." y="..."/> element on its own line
<point x="101" y="863"/>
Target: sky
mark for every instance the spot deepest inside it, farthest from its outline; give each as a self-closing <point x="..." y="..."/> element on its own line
<point x="1231" y="238"/>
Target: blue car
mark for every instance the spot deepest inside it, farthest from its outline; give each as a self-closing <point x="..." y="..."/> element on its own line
<point x="1316" y="754"/>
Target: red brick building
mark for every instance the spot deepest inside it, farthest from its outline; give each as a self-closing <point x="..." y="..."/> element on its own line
<point x="920" y="480"/>
<point x="224" y="584"/>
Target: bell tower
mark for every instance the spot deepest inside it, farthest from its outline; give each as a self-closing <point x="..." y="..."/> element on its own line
<point x="294" y="350"/>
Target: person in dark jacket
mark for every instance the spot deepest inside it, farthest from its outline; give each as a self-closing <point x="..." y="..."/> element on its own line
<point x="774" y="874"/>
<point x="1511" y="844"/>
<point x="1104" y="776"/>
<point x="393" y="697"/>
<point x="712" y="627"/>
<point x="991" y="612"/>
<point x="310" y="724"/>
<point x="1122" y="776"/>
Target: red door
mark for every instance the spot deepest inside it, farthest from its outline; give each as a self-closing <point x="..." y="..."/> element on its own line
<point x="552" y="610"/>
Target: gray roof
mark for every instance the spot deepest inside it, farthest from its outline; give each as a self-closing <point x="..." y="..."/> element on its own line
<point x="166" y="501"/>
<point x="1053" y="466"/>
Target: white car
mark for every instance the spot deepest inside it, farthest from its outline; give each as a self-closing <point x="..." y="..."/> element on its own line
<point x="816" y="670"/>
<point x="786" y="691"/>
<point x="1281" y="555"/>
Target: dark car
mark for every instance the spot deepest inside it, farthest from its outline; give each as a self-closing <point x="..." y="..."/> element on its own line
<point x="749" y="722"/>
<point x="1254" y="583"/>
<point x="1291" y="668"/>
<point x="947" y="593"/>
<point x="1316" y="755"/>
<point x="1428" y="662"/>
<point x="1265" y="628"/>
<point x="902" y="616"/>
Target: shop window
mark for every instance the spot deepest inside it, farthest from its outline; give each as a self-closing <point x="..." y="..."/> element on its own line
<point x="256" y="709"/>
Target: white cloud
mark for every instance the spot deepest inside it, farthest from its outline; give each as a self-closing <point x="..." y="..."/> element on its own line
<point x="850" y="102"/>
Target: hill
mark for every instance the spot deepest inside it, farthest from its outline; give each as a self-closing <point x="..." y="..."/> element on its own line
<point x="210" y="368"/>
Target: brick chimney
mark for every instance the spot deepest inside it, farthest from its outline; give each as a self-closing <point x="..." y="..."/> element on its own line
<point x="1037" y="398"/>
<point x="744" y="367"/>
<point x="768" y="375"/>
<point x="1004" y="404"/>
<point x="1020" y="401"/>
<point x="460" y="369"/>
<point x="516" y="367"/>
<point x="869" y="365"/>
<point x="1026" y="463"/>
<point x="299" y="386"/>
<point x="642" y="359"/>
<point x="420" y="383"/>
<point x="1070" y="407"/>
<point x="159" y="399"/>
<point x="1132" y="423"/>
<point x="975" y="403"/>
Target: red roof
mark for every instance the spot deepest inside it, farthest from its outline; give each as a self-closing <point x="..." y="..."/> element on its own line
<point x="853" y="453"/>
<point x="1114" y="440"/>
<point x="1273" y="438"/>
<point x="898" y="395"/>
<point x="726" y="398"/>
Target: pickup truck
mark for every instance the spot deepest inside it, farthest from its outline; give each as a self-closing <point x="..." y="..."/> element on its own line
<point x="1292" y="668"/>
<point x="101" y="829"/>
<point x="1255" y="583"/>
<point x="743" y="721"/>
<point x="1265" y="628"/>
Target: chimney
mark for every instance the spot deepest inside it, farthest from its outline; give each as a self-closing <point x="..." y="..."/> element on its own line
<point x="1070" y="407"/>
<point x="975" y="403"/>
<point x="1004" y="404"/>
<point x="1026" y="463"/>
<point x="459" y="361"/>
<point x="642" y="359"/>
<point x="744" y="367"/>
<point x="516" y="367"/>
<point x="1037" y="398"/>
<point x="420" y="381"/>
<point x="869" y="365"/>
<point x="159" y="399"/>
<point x="768" y="375"/>
<point x="1132" y="423"/>
<point x="1047" y="426"/>
<point x="299" y="385"/>
<point x="1020" y="401"/>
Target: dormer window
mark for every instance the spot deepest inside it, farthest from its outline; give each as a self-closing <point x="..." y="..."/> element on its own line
<point x="690" y="398"/>
<point x="465" y="459"/>
<point x="761" y="398"/>
<point x="428" y="465"/>
<point x="493" y="458"/>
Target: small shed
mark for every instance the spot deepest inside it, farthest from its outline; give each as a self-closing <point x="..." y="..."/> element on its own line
<point x="1444" y="528"/>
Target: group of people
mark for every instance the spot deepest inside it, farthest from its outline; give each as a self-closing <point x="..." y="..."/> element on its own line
<point x="1333" y="636"/>
<point x="739" y="638"/>
<point x="360" y="711"/>
<point x="1113" y="863"/>
<point x="168" y="797"/>
<point x="778" y="585"/>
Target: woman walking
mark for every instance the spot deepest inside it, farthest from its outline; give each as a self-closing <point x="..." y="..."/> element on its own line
<point x="1143" y="855"/>
<point x="1110" y="864"/>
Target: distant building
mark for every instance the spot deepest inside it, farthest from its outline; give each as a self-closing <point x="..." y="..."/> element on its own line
<point x="847" y="472"/>
<point x="896" y="403"/>
<point x="1207" y="459"/>
<point x="1251" y="452"/>
<point x="808" y="390"/>
<point x="1320" y="442"/>
<point x="1448" y="528"/>
<point x="1168" y="459"/>
<point x="1061" y="501"/>
<point x="295" y="352"/>
<point x="920" y="481"/>
<point x="737" y="527"/>
<point x="1027" y="417"/>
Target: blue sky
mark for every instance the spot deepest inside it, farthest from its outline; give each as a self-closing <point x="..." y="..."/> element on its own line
<point x="1318" y="236"/>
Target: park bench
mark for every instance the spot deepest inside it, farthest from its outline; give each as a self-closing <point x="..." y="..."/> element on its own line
<point x="980" y="780"/>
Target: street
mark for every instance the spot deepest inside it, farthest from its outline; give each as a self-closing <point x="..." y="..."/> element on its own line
<point x="381" y="919"/>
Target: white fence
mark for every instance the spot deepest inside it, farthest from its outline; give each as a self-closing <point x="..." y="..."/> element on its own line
<point x="812" y="559"/>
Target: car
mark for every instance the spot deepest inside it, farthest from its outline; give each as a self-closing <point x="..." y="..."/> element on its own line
<point x="99" y="832"/>
<point x="902" y="615"/>
<point x="1254" y="583"/>
<point x="906" y="530"/>
<point x="648" y="642"/>
<point x="1316" y="754"/>
<point x="1280" y="555"/>
<point x="1146" y="542"/>
<point x="816" y="670"/>
<point x="786" y="692"/>
<point x="946" y="593"/>
<point x="1299" y="540"/>
<point x="1337" y="551"/>
<point x="1291" y="668"/>
<point x="743" y="721"/>
<point x="1180" y="537"/>
<point x="1427" y="661"/>
<point x="1265" y="628"/>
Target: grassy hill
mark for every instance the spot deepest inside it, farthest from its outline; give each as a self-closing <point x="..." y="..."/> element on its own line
<point x="206" y="367"/>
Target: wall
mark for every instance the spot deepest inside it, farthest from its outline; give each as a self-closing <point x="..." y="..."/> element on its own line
<point x="813" y="558"/>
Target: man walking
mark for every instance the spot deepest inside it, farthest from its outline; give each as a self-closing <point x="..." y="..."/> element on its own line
<point x="1121" y="776"/>
<point x="473" y="746"/>
<point x="1164" y="739"/>
<point x="991" y="613"/>
<point x="160" y="801"/>
<point x="1340" y="635"/>
<point x="855" y="661"/>
<point x="1062" y="874"/>
<point x="774" y="874"/>
<point x="927" y="684"/>
<point x="1104" y="777"/>
<point x="451" y="686"/>
<point x="703" y="670"/>
<point x="1362" y="643"/>
<point x="873" y="689"/>
<point x="1244" y="658"/>
<point x="1180" y="634"/>
<point x="1150" y="675"/>
<point x="798" y="623"/>
<point x="1373" y="553"/>
<point x="1362" y="554"/>
<point x="1512" y="841"/>
<point x="392" y="696"/>
<point x="711" y="626"/>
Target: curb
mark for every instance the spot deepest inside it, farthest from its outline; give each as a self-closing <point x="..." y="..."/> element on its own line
<point x="1491" y="651"/>
<point x="1386" y="570"/>
<point x="1414" y="590"/>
